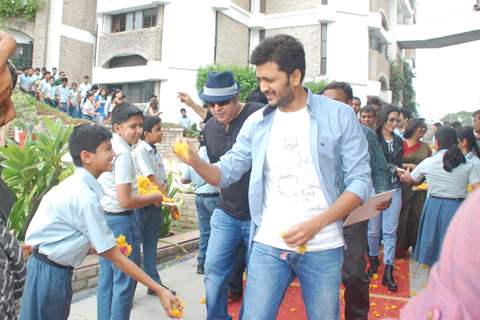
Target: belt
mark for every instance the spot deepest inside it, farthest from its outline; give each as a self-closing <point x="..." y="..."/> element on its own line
<point x="444" y="198"/>
<point x="208" y="195"/>
<point x="123" y="213"/>
<point x="45" y="259"/>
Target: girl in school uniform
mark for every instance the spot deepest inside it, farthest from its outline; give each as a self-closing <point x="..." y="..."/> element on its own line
<point x="447" y="174"/>
<point x="468" y="145"/>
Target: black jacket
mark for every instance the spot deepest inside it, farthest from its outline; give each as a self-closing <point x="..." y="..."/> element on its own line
<point x="394" y="158"/>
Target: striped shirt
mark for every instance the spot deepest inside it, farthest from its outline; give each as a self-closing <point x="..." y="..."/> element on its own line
<point x="12" y="273"/>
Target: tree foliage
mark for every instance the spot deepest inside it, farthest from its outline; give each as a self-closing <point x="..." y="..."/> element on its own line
<point x="19" y="8"/>
<point x="401" y="85"/>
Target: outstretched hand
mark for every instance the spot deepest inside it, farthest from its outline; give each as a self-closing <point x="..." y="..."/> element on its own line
<point x="185" y="150"/>
<point x="171" y="303"/>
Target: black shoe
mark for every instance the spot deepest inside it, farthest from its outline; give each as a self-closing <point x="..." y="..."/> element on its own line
<point x="200" y="269"/>
<point x="388" y="280"/>
<point x="373" y="267"/>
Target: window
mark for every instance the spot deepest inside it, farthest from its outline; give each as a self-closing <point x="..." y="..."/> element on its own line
<point x="150" y="18"/>
<point x="138" y="92"/>
<point x="323" y="48"/>
<point x="119" y="23"/>
<point x="324" y="2"/>
<point x="127" y="61"/>
<point x="23" y="55"/>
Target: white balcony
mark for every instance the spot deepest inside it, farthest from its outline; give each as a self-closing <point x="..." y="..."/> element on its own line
<point x="153" y="71"/>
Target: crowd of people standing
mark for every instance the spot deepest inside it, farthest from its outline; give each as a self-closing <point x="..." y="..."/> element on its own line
<point x="274" y="179"/>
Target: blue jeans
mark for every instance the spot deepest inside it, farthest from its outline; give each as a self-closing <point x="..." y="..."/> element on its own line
<point x="205" y="207"/>
<point x="116" y="289"/>
<point x="48" y="291"/>
<point x="385" y="222"/>
<point x="271" y="270"/>
<point x="225" y="236"/>
<point x="64" y="107"/>
<point x="150" y="221"/>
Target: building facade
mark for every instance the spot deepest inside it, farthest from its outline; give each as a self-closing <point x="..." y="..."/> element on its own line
<point x="62" y="35"/>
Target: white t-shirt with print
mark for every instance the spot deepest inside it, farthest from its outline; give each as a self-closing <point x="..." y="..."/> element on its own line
<point x="293" y="191"/>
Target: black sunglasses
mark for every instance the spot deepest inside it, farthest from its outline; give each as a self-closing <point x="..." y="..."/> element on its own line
<point x="221" y="103"/>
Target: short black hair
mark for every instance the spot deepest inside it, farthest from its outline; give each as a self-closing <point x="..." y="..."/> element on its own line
<point x="183" y="109"/>
<point x="407" y="114"/>
<point x="284" y="50"/>
<point x="456" y="124"/>
<point x="476" y="113"/>
<point x="344" y="86"/>
<point x="86" y="137"/>
<point x="64" y="79"/>
<point x="374" y="100"/>
<point x="149" y="122"/>
<point x="438" y="124"/>
<point x="357" y="98"/>
<point x="123" y="112"/>
<point x="412" y="126"/>
<point x="369" y="109"/>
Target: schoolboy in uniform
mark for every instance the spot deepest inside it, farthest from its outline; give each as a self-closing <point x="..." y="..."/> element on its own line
<point x="67" y="223"/>
<point x="149" y="163"/>
<point x="115" y="289"/>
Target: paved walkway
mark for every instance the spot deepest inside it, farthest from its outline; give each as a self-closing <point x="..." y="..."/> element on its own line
<point x="180" y="275"/>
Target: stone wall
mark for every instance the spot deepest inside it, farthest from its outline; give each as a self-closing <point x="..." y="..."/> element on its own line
<point x="282" y="6"/>
<point x="80" y="14"/>
<point x="144" y="42"/>
<point x="310" y="37"/>
<point x="188" y="213"/>
<point x="232" y="41"/>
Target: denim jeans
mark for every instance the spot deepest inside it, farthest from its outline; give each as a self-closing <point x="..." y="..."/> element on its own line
<point x="64" y="107"/>
<point x="116" y="289"/>
<point x="225" y="236"/>
<point x="386" y="222"/>
<point x="205" y="207"/>
<point x="271" y="270"/>
<point x="150" y="222"/>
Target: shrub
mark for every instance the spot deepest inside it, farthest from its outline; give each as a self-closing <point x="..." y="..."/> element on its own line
<point x="31" y="171"/>
<point x="245" y="76"/>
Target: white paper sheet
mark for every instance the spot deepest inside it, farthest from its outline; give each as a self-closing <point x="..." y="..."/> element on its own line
<point x="368" y="210"/>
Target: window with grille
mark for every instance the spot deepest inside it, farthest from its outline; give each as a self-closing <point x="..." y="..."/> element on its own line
<point x="119" y="22"/>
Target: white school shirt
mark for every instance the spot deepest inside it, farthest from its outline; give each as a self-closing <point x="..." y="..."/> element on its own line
<point x="123" y="172"/>
<point x="442" y="183"/>
<point x="149" y="161"/>
<point x="69" y="220"/>
<point x="293" y="192"/>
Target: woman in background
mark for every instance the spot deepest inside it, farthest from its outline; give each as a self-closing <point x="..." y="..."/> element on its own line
<point x="414" y="152"/>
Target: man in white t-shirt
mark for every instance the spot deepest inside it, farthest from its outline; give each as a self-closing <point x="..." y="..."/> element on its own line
<point x="84" y="87"/>
<point x="298" y="147"/>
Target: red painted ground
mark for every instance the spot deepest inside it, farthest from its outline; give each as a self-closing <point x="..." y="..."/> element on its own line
<point x="383" y="303"/>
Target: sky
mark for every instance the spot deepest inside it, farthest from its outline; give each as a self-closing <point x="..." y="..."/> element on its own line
<point x="447" y="79"/>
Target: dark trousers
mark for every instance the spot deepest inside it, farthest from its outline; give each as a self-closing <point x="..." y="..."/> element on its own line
<point x="48" y="291"/>
<point x="235" y="280"/>
<point x="354" y="276"/>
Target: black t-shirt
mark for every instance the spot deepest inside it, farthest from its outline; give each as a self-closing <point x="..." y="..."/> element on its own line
<point x="234" y="199"/>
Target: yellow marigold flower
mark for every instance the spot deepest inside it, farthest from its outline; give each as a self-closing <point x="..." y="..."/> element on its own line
<point x="203" y="300"/>
<point x="181" y="150"/>
<point x="394" y="307"/>
<point x="121" y="240"/>
<point x="302" y="249"/>
<point x="375" y="276"/>
<point x="374" y="286"/>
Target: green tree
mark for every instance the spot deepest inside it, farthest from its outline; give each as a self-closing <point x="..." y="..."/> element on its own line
<point x="401" y="85"/>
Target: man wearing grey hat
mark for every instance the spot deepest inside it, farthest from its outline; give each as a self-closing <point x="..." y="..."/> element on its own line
<point x="230" y="221"/>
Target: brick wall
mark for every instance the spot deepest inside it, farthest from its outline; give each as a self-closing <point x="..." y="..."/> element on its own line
<point x="71" y="52"/>
<point x="310" y="37"/>
<point x="281" y="6"/>
<point x="80" y="14"/>
<point x="232" y="41"/>
<point x="244" y="4"/>
<point x="188" y="213"/>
